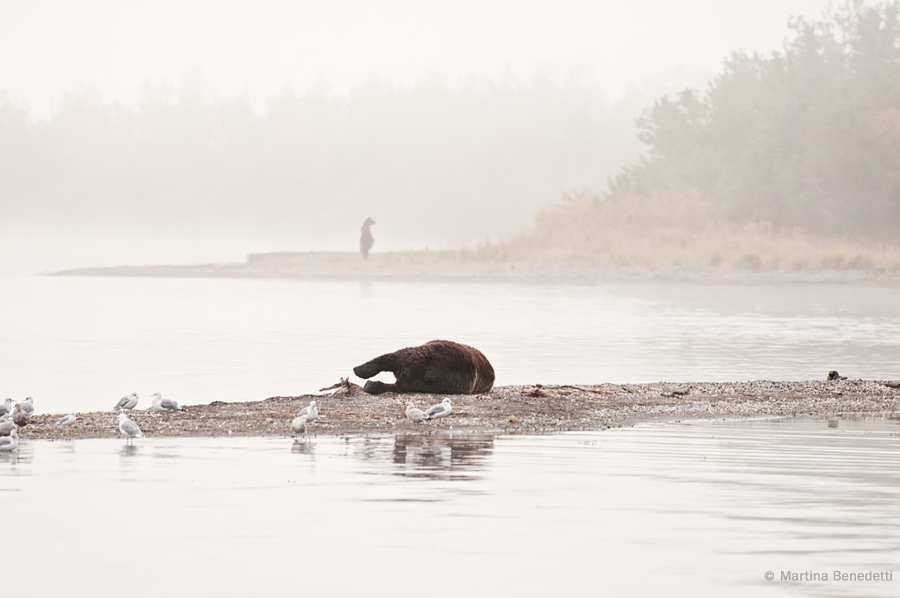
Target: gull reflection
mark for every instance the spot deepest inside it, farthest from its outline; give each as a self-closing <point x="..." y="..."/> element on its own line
<point x="435" y="455"/>
<point x="303" y="447"/>
<point x="11" y="457"/>
<point x="128" y="450"/>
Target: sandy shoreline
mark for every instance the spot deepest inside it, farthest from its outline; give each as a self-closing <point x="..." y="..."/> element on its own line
<point x="506" y="410"/>
<point x="462" y="265"/>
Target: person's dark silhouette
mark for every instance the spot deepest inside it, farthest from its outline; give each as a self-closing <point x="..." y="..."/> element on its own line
<point x="367" y="240"/>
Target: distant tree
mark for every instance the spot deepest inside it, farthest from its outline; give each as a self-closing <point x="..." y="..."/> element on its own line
<point x="808" y="137"/>
<point x="439" y="163"/>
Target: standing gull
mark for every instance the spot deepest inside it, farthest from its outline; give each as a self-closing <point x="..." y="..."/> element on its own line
<point x="129" y="428"/>
<point x="19" y="417"/>
<point x="311" y="412"/>
<point x="127" y="402"/>
<point x="67" y="420"/>
<point x="168" y="405"/>
<point x="6" y="427"/>
<point x="9" y="443"/>
<point x="28" y="406"/>
<point x="413" y="413"/>
<point x="299" y="425"/>
<point x="442" y="409"/>
<point x="6" y="407"/>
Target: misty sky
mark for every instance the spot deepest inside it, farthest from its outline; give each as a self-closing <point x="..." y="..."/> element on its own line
<point x="258" y="47"/>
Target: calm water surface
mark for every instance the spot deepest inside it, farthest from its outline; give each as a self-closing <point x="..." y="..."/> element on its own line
<point x="675" y="510"/>
<point x="701" y="509"/>
<point x="78" y="344"/>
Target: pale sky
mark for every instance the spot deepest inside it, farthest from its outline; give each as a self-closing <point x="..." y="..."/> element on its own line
<point x="254" y="49"/>
<point x="258" y="47"/>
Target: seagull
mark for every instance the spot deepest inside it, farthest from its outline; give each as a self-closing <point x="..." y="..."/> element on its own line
<point x="127" y="402"/>
<point x="161" y="404"/>
<point x="66" y="420"/>
<point x="413" y="413"/>
<point x="28" y="405"/>
<point x="19" y="417"/>
<point x="6" y="407"/>
<point x="311" y="412"/>
<point x="442" y="409"/>
<point x="9" y="443"/>
<point x="6" y="427"/>
<point x="129" y="428"/>
<point x="300" y="425"/>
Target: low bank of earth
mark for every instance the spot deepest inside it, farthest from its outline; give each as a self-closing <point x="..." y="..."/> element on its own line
<point x="533" y="409"/>
<point x="462" y="265"/>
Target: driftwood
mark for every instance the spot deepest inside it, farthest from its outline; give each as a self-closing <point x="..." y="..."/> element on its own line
<point x="344" y="388"/>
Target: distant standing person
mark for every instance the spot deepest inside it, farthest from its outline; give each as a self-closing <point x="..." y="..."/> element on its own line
<point x="367" y="240"/>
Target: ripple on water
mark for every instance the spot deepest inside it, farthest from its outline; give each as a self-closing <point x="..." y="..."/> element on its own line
<point x="664" y="509"/>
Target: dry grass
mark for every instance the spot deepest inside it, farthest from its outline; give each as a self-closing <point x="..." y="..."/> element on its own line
<point x="681" y="231"/>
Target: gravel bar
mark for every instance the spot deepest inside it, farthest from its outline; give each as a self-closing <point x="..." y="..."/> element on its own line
<point x="534" y="409"/>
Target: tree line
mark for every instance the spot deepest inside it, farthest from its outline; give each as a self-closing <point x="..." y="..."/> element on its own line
<point x="430" y="162"/>
<point x="805" y="138"/>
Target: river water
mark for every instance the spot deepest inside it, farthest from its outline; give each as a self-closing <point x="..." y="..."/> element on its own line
<point x="78" y="344"/>
<point x="700" y="509"/>
<point x="707" y="508"/>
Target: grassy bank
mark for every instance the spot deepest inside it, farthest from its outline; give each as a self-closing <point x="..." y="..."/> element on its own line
<point x="666" y="231"/>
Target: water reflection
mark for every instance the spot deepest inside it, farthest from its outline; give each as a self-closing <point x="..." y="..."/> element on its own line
<point x="699" y="509"/>
<point x="129" y="450"/>
<point x="433" y="455"/>
<point x="11" y="458"/>
<point x="66" y="446"/>
<point x="303" y="447"/>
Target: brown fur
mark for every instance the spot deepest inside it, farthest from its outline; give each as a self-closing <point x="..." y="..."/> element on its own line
<point x="437" y="367"/>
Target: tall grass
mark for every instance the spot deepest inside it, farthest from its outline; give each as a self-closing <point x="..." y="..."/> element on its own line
<point x="666" y="230"/>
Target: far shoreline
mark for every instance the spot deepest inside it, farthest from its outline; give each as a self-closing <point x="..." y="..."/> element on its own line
<point x="471" y="266"/>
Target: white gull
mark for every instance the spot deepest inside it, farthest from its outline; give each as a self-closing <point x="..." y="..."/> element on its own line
<point x="442" y="409"/>
<point x="168" y="405"/>
<point x="9" y="443"/>
<point x="27" y="406"/>
<point x="311" y="412"/>
<point x="302" y="422"/>
<point x="300" y="425"/>
<point x="67" y="420"/>
<point x="127" y="402"/>
<point x="413" y="413"/>
<point x="129" y="428"/>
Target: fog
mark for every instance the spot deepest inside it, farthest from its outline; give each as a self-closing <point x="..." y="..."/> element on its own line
<point x="177" y="133"/>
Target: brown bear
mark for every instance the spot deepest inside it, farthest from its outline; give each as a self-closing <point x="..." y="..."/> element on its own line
<point x="437" y="367"/>
<point x="367" y="240"/>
